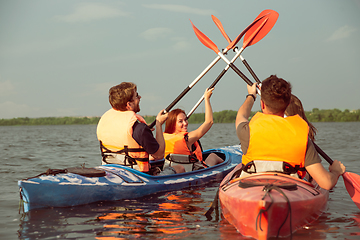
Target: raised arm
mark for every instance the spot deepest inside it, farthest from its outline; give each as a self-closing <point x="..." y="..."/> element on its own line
<point x="244" y="111"/>
<point x="160" y="119"/>
<point x="205" y="127"/>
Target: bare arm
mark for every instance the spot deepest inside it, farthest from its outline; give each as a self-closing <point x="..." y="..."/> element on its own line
<point x="205" y="127"/>
<point x="159" y="136"/>
<point x="326" y="179"/>
<point x="244" y="111"/>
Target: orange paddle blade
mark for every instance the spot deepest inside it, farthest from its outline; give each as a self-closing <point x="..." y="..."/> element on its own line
<point x="352" y="184"/>
<point x="272" y="18"/>
<point x="221" y="28"/>
<point x="254" y="34"/>
<point x="237" y="39"/>
<point x="204" y="39"/>
<point x="249" y="30"/>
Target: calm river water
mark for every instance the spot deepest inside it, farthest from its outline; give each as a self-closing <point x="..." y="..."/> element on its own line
<point x="29" y="150"/>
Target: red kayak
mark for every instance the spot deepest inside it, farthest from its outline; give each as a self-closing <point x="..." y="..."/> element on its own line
<point x="264" y="205"/>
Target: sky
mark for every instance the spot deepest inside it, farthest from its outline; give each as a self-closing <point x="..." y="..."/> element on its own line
<point x="59" y="58"/>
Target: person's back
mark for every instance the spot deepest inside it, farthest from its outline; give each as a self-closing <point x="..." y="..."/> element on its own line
<point x="271" y="138"/>
<point x="124" y="136"/>
<point x="115" y="129"/>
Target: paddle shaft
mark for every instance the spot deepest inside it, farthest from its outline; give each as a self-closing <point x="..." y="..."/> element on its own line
<point x="202" y="98"/>
<point x="249" y="69"/>
<point x="248" y="40"/>
<point x="187" y="89"/>
<point x="235" y="69"/>
<point x="230" y="64"/>
<point x="217" y="80"/>
<point x="351" y="180"/>
<point x="323" y="154"/>
<point x="230" y="46"/>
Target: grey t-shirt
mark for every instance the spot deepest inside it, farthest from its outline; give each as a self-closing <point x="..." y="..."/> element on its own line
<point x="243" y="133"/>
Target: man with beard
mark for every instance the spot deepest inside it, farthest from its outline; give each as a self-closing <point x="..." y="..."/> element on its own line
<point x="124" y="136"/>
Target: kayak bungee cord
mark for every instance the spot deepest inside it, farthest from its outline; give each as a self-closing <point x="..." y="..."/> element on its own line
<point x="267" y="188"/>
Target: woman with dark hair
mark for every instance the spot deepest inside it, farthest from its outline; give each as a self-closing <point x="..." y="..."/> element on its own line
<point x="296" y="107"/>
<point x="179" y="141"/>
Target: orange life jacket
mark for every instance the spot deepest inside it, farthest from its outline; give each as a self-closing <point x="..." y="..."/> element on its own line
<point x="175" y="143"/>
<point x="274" y="138"/>
<point x="115" y="130"/>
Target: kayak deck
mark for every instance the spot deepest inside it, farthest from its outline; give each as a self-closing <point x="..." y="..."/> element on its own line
<point x="265" y="205"/>
<point x="119" y="182"/>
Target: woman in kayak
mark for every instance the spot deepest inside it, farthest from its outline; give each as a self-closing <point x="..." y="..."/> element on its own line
<point x="179" y="141"/>
<point x="296" y="107"/>
<point x="272" y="138"/>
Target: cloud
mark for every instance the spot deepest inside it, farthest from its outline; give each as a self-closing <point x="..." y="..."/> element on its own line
<point x="180" y="9"/>
<point x="156" y="33"/>
<point x="87" y="12"/>
<point x="181" y="44"/>
<point x="6" y="88"/>
<point x="341" y="33"/>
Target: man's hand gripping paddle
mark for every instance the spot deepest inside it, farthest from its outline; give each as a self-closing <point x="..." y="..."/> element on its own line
<point x="351" y="180"/>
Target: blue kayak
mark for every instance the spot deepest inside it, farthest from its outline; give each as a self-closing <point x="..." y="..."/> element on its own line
<point x="117" y="182"/>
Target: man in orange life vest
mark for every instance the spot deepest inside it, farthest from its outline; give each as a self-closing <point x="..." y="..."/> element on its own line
<point x="125" y="137"/>
<point x="271" y="138"/>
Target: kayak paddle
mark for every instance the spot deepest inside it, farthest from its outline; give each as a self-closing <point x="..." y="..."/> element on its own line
<point x="187" y="89"/>
<point x="272" y="15"/>
<point x="208" y="43"/>
<point x="252" y="36"/>
<point x="351" y="180"/>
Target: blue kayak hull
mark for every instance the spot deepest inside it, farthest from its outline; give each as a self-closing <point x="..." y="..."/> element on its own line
<point x="120" y="182"/>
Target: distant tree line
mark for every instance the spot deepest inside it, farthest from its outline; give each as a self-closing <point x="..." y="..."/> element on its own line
<point x="226" y="116"/>
<point x="49" y="121"/>
<point x="333" y="115"/>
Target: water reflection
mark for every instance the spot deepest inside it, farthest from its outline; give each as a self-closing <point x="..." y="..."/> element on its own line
<point x="176" y="215"/>
<point x="171" y="216"/>
<point x="166" y="219"/>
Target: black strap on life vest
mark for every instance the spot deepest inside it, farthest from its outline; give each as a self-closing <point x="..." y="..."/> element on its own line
<point x="129" y="161"/>
<point x="287" y="168"/>
<point x="193" y="148"/>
